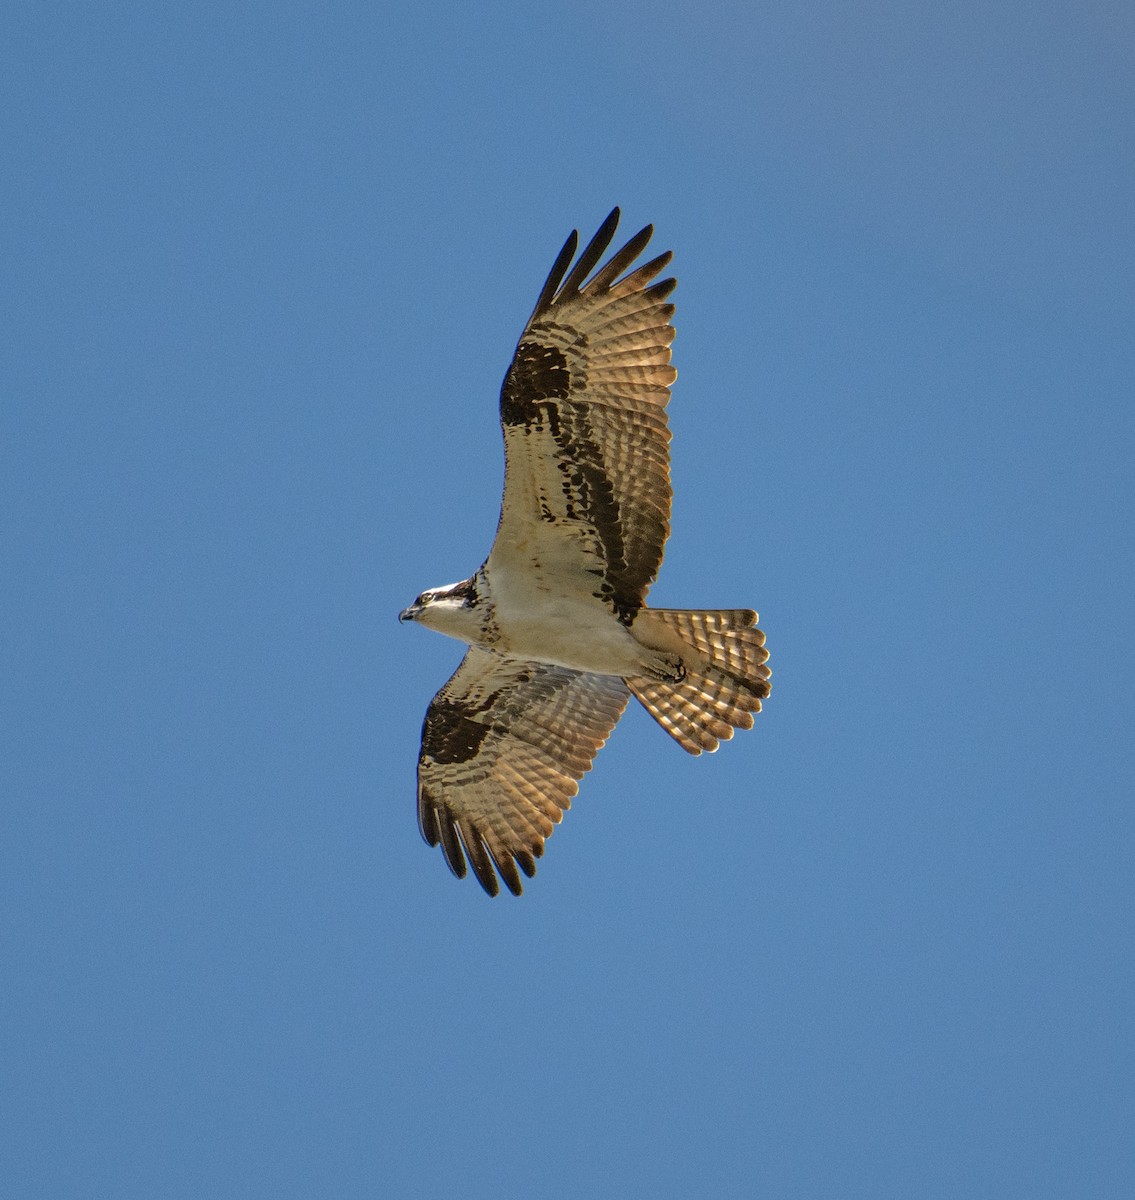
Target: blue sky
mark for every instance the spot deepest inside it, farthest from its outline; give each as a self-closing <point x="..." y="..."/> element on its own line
<point x="264" y="267"/>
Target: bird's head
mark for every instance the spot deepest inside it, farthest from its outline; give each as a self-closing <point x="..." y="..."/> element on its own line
<point x="447" y="609"/>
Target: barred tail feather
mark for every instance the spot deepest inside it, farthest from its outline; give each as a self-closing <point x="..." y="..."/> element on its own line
<point x="721" y="693"/>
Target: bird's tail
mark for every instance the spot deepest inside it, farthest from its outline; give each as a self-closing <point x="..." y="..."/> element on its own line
<point x="726" y="679"/>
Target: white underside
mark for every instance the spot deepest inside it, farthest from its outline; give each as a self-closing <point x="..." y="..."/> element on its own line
<point x="577" y="632"/>
<point x="531" y="618"/>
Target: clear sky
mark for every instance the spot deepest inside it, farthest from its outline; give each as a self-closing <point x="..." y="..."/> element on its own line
<point x="264" y="266"/>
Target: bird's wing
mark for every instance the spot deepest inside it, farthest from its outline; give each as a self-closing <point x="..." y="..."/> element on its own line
<point x="503" y="746"/>
<point x="583" y="409"/>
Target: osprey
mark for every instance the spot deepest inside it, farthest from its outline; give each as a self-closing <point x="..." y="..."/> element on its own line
<point x="556" y="622"/>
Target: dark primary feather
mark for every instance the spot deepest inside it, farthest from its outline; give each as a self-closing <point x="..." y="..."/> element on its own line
<point x="592" y="253"/>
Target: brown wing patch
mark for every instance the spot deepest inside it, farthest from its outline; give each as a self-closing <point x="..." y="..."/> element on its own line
<point x="537" y="374"/>
<point x="504" y="745"/>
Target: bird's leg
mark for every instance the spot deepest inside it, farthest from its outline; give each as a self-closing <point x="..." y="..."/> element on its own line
<point x="668" y="668"/>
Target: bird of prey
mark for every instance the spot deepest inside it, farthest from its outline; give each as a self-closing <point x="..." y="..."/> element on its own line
<point x="558" y="632"/>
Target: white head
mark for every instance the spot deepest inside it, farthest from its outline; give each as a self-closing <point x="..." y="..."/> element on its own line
<point x="451" y="610"/>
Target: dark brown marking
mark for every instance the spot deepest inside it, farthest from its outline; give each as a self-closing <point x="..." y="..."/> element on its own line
<point x="538" y="373"/>
<point x="589" y="495"/>
<point x="450" y="735"/>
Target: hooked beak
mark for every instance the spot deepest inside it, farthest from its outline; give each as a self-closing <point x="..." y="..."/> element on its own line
<point x="408" y="614"/>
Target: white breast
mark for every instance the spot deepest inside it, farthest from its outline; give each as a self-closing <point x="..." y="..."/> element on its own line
<point x="540" y="621"/>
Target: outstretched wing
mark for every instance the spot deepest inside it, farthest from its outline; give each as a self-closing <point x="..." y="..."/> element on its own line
<point x="503" y="746"/>
<point x="583" y="408"/>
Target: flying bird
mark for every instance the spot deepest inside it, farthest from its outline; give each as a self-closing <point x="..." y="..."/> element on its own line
<point x="559" y="636"/>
